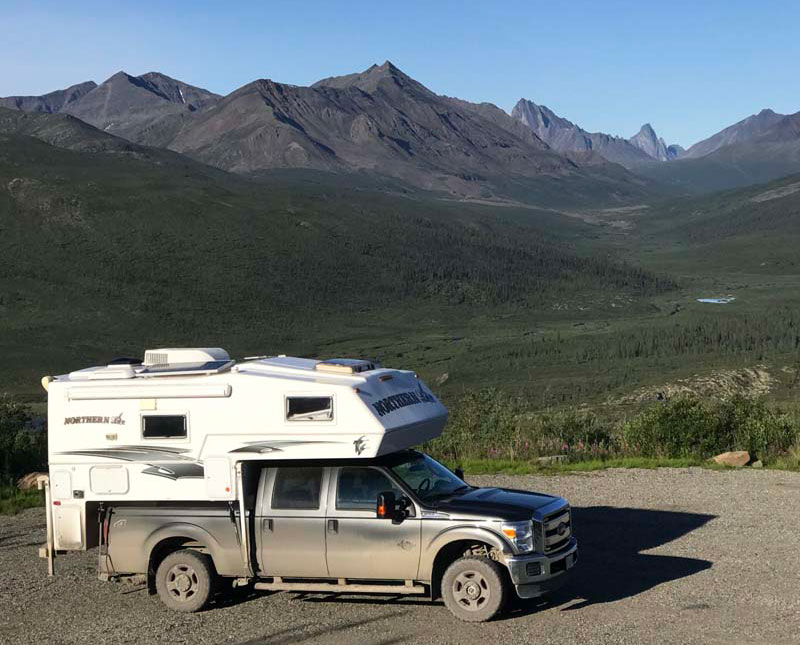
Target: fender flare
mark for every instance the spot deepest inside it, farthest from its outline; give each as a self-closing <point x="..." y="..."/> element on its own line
<point x="183" y="530"/>
<point x="464" y="532"/>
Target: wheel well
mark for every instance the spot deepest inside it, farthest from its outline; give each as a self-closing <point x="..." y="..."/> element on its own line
<point x="162" y="550"/>
<point x="451" y="552"/>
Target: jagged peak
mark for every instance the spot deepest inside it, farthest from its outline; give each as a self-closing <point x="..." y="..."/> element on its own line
<point x="648" y="130"/>
<point x="389" y="67"/>
<point x="544" y="113"/>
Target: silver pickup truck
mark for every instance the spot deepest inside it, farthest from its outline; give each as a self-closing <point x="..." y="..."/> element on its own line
<point x="398" y="524"/>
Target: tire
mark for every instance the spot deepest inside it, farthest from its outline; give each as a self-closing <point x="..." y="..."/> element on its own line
<point x="185" y="580"/>
<point x="474" y="588"/>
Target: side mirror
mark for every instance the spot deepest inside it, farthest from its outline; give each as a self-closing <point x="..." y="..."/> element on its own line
<point x="459" y="472"/>
<point x="385" y="508"/>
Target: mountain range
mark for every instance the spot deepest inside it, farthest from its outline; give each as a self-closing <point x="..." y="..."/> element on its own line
<point x="379" y="121"/>
<point x="384" y="123"/>
<point x="565" y="136"/>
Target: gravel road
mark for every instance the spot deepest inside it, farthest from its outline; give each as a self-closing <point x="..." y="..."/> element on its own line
<point x="667" y="556"/>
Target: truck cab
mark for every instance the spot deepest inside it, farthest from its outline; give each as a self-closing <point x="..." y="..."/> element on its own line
<point x="401" y="523"/>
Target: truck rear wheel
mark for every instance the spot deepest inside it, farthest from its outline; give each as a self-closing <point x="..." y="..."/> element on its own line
<point x="474" y="588"/>
<point x="185" y="580"/>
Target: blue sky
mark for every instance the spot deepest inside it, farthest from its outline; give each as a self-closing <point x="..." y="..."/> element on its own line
<point x="689" y="68"/>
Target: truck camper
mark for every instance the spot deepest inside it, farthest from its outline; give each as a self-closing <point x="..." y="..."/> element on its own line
<point x="188" y="468"/>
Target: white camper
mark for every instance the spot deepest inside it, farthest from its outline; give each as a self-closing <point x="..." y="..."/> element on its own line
<point x="192" y="472"/>
<point x="174" y="426"/>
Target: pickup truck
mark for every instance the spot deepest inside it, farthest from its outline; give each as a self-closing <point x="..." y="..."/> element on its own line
<point x="398" y="524"/>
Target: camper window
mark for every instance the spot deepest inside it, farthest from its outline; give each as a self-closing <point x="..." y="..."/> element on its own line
<point x="162" y="426"/>
<point x="309" y="408"/>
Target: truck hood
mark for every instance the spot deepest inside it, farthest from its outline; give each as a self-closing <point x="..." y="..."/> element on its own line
<point x="504" y="503"/>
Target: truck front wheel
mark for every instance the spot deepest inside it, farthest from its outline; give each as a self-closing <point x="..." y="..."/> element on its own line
<point x="474" y="588"/>
<point x="185" y="580"/>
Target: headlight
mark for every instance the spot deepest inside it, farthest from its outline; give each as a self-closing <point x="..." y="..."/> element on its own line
<point x="520" y="534"/>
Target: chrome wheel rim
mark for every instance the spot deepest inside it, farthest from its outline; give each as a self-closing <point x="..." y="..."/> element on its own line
<point x="471" y="590"/>
<point x="182" y="582"/>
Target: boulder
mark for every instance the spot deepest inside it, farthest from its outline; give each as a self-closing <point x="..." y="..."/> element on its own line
<point x="757" y="464"/>
<point x="28" y="482"/>
<point x="737" y="458"/>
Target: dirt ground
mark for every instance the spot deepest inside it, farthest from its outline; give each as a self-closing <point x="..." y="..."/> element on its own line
<point x="667" y="556"/>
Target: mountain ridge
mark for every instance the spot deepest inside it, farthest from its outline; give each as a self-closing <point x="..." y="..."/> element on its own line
<point x="51" y="102"/>
<point x="382" y="121"/>
<point x="566" y="136"/>
<point x="748" y="128"/>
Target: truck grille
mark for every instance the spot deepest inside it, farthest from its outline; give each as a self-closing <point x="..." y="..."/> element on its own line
<point x="557" y="530"/>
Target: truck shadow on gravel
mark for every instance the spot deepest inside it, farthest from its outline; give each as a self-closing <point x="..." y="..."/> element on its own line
<point x="312" y="633"/>
<point x="612" y="566"/>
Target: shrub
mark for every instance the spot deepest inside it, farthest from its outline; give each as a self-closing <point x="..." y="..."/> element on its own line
<point x="22" y="447"/>
<point x="492" y="424"/>
<point x="679" y="428"/>
<point x="13" y="501"/>
<point x="749" y="424"/>
<point x="689" y="427"/>
<point x="482" y="423"/>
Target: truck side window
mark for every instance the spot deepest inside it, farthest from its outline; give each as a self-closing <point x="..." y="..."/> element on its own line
<point x="309" y="408"/>
<point x="163" y="426"/>
<point x="358" y="488"/>
<point x="297" y="488"/>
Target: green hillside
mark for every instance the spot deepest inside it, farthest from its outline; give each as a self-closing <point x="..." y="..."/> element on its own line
<point x="105" y="253"/>
<point x="747" y="230"/>
<point x="107" y="248"/>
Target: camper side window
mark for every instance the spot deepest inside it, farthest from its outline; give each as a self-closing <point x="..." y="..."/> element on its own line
<point x="162" y="426"/>
<point x="309" y="408"/>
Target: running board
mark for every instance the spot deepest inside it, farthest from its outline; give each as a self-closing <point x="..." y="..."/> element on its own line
<point x="342" y="587"/>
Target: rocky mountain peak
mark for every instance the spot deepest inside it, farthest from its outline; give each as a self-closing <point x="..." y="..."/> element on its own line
<point x="650" y="143"/>
<point x="385" y="76"/>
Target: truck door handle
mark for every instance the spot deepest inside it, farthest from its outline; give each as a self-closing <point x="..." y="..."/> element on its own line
<point x="333" y="526"/>
<point x="267" y="524"/>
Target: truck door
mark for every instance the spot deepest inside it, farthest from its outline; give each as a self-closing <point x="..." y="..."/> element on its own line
<point x="358" y="544"/>
<point x="291" y="523"/>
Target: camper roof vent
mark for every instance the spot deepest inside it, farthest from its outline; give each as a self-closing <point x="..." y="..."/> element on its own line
<point x="344" y="366"/>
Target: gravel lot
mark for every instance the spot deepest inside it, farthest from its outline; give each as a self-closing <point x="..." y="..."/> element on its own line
<point x="667" y="556"/>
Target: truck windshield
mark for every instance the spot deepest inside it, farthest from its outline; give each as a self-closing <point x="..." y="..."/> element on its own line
<point x="428" y="477"/>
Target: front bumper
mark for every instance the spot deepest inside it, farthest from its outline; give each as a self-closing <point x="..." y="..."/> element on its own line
<point x="536" y="574"/>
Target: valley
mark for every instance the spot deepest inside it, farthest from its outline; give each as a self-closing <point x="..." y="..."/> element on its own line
<point x="427" y="232"/>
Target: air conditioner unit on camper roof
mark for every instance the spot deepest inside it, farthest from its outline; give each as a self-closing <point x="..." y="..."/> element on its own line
<point x="179" y="356"/>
